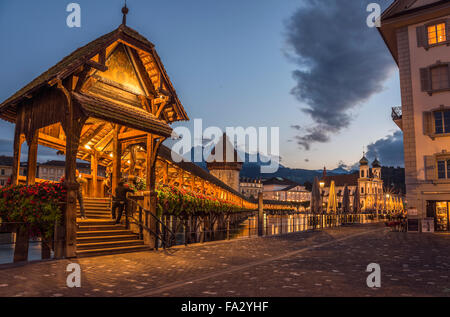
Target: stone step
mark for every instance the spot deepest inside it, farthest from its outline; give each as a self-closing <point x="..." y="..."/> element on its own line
<point x="108" y="244"/>
<point x="99" y="233"/>
<point x="99" y="239"/>
<point x="109" y="251"/>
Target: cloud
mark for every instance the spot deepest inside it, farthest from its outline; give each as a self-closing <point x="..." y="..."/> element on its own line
<point x="341" y="62"/>
<point x="388" y="150"/>
<point x="44" y="153"/>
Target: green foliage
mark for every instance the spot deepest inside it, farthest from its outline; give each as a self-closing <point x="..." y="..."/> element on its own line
<point x="37" y="206"/>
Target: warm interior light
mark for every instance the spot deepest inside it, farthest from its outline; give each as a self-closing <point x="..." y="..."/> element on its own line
<point x="322" y="184"/>
<point x="436" y="33"/>
<point x="87" y="147"/>
<point x="111" y="155"/>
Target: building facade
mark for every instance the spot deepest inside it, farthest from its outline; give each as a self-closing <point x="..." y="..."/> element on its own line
<point x="417" y="34"/>
<point x="282" y="189"/>
<point x="54" y="170"/>
<point x="367" y="181"/>
<point x="6" y="169"/>
<point x="250" y="188"/>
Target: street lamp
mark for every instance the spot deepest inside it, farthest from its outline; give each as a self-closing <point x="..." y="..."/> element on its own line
<point x="322" y="185"/>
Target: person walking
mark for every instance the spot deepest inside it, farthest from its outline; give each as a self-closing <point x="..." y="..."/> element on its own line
<point x="120" y="200"/>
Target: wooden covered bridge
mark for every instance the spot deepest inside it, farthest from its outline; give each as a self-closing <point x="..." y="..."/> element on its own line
<point x="110" y="102"/>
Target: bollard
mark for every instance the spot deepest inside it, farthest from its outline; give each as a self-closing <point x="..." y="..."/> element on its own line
<point x="260" y="215"/>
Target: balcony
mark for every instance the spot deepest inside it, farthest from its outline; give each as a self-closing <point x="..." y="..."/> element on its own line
<point x="397" y="116"/>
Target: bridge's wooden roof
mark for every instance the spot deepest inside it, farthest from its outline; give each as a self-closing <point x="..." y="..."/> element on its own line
<point x="165" y="153"/>
<point x="174" y="111"/>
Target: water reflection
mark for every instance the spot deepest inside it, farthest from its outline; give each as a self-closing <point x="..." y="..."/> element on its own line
<point x="277" y="225"/>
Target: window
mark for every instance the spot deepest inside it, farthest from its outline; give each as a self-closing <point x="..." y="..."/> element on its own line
<point x="3" y="171"/>
<point x="439" y="77"/>
<point x="442" y="122"/>
<point x="442" y="169"/>
<point x="436" y="34"/>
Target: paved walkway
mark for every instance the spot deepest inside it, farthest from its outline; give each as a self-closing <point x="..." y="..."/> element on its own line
<point x="324" y="263"/>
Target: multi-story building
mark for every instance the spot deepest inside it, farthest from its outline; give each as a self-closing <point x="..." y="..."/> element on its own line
<point x="282" y="189"/>
<point x="54" y="170"/>
<point x="417" y="34"/>
<point x="250" y="187"/>
<point x="6" y="169"/>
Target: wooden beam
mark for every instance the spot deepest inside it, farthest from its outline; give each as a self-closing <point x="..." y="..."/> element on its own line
<point x="94" y="173"/>
<point x="32" y="158"/>
<point x="117" y="155"/>
<point x="72" y="126"/>
<point x="18" y="140"/>
<point x="142" y="72"/>
<point x="97" y="66"/>
<point x="134" y="134"/>
<point x="82" y="78"/>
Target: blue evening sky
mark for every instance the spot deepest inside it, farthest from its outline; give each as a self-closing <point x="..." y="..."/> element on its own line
<point x="226" y="59"/>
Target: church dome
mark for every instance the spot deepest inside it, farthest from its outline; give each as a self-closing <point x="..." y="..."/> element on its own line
<point x="363" y="161"/>
<point x="376" y="163"/>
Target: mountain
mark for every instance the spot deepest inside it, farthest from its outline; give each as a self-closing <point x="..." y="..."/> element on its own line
<point x="253" y="169"/>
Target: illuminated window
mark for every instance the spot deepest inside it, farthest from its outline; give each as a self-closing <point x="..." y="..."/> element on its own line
<point x="436" y="34"/>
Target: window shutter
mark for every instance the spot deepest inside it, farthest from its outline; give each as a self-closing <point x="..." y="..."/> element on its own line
<point x="448" y="75"/>
<point x="447" y="30"/>
<point x="430" y="168"/>
<point x="422" y="38"/>
<point x="425" y="79"/>
<point x="427" y="123"/>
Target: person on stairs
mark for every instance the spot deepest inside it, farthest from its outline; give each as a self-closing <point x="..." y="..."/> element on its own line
<point x="120" y="200"/>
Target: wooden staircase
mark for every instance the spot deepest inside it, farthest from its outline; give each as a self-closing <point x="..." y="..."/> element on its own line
<point x="99" y="235"/>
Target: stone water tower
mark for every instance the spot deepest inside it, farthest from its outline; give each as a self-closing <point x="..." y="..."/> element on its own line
<point x="224" y="163"/>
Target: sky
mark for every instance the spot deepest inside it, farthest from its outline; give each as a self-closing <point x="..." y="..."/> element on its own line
<point x="306" y="66"/>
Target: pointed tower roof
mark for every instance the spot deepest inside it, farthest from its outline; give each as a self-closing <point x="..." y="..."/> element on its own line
<point x="224" y="156"/>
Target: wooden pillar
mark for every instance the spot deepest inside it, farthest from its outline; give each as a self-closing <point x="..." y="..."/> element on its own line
<point x="18" y="140"/>
<point x="94" y="174"/>
<point x="117" y="159"/>
<point x="260" y="215"/>
<point x="32" y="141"/>
<point x="21" y="248"/>
<point x="132" y="160"/>
<point x="150" y="202"/>
<point x="72" y="125"/>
